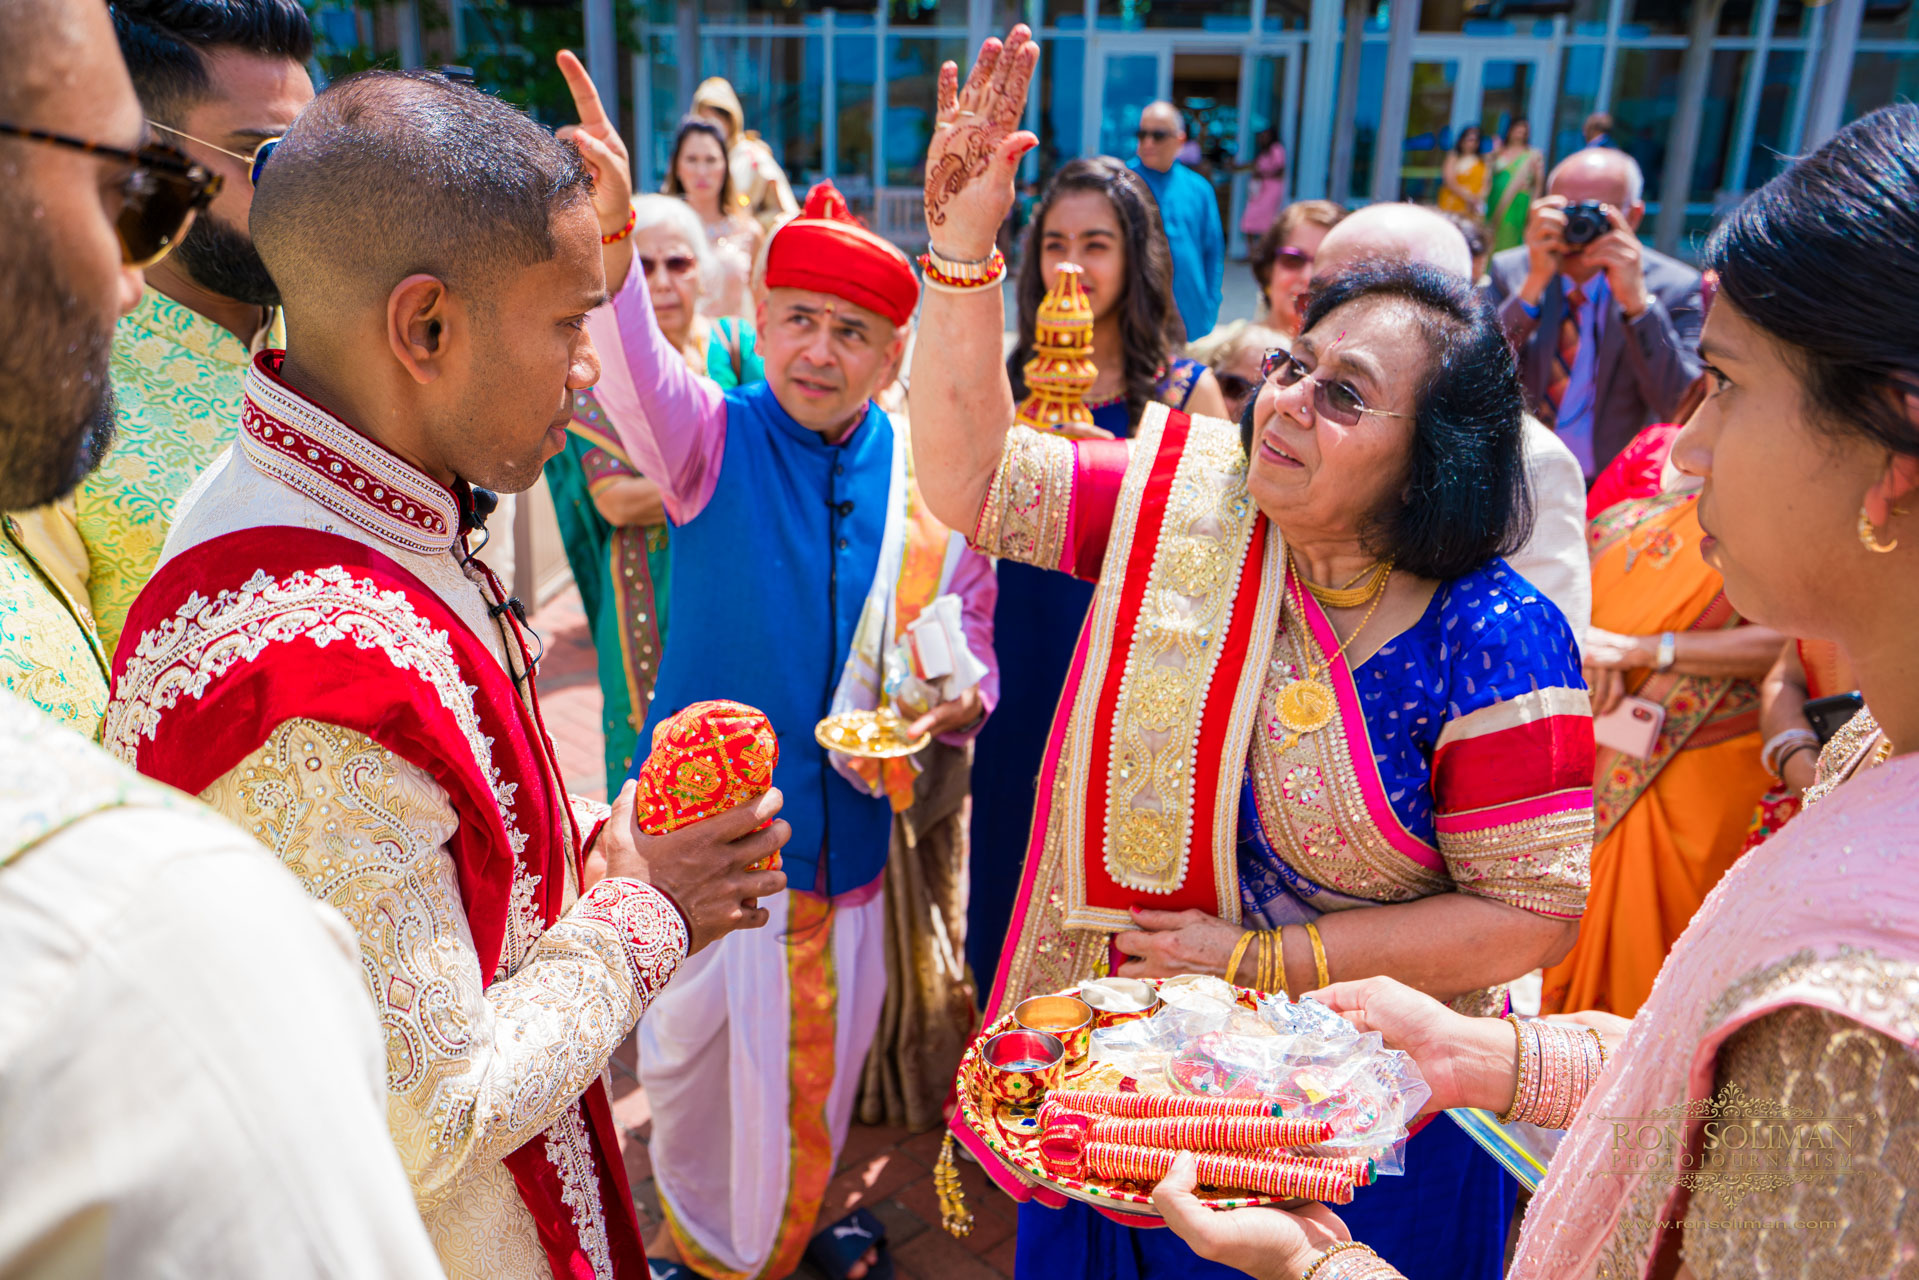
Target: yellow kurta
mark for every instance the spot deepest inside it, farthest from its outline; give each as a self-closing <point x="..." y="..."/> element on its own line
<point x="178" y="380"/>
<point x="49" y="655"/>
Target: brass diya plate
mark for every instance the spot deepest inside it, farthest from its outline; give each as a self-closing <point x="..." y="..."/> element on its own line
<point x="870" y="735"/>
<point x="1013" y="1132"/>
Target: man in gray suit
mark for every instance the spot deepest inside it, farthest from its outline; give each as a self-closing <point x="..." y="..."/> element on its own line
<point x="1607" y="331"/>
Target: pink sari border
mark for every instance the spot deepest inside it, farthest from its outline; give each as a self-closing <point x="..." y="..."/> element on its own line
<point x="1353" y="718"/>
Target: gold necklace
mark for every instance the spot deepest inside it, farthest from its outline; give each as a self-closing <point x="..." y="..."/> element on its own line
<point x="1354" y="593"/>
<point x="1307" y="704"/>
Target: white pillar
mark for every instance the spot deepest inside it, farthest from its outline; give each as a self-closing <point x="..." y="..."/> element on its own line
<point x="1834" y="76"/>
<point x="406" y="17"/>
<point x="1682" y="147"/>
<point x="603" y="54"/>
<point x="1395" y="102"/>
<point x="1339" y="182"/>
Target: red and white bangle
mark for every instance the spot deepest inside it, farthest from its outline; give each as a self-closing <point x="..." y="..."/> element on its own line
<point x="962" y="277"/>
<point x="632" y="219"/>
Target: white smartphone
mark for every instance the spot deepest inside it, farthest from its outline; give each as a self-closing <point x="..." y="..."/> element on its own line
<point x="1631" y="728"/>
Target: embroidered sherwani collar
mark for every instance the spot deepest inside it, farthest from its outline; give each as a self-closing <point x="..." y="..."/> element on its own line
<point x="309" y="450"/>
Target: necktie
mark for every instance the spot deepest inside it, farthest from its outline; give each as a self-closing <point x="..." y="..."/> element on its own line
<point x="1568" y="351"/>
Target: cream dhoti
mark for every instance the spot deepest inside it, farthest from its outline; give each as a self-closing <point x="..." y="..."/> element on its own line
<point x="751" y="1061"/>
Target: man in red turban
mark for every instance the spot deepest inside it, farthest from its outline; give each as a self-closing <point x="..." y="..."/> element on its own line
<point x="798" y="557"/>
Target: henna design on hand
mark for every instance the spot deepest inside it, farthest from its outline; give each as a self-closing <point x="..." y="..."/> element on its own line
<point x="974" y="122"/>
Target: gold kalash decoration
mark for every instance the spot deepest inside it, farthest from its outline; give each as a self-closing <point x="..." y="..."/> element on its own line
<point x="1061" y="371"/>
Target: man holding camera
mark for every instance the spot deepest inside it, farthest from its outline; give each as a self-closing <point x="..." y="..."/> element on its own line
<point x="1607" y="330"/>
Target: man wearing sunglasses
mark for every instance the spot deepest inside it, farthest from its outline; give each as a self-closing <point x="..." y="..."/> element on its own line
<point x="219" y="80"/>
<point x="1189" y="210"/>
<point x="190" y="1079"/>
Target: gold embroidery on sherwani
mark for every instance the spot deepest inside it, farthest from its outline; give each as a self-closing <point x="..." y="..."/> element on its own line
<point x="473" y="1072"/>
<point x="1843" y="1073"/>
<point x="1027" y="508"/>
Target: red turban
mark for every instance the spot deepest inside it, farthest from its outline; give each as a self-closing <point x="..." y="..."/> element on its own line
<point x="826" y="250"/>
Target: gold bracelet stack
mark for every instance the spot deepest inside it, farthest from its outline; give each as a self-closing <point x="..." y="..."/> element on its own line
<point x="1275" y="957"/>
<point x="1351" y="1260"/>
<point x="1558" y="1066"/>
<point x="1320" y="975"/>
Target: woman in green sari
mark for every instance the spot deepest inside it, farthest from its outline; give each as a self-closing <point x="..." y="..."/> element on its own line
<point x="1519" y="175"/>
<point x="610" y="516"/>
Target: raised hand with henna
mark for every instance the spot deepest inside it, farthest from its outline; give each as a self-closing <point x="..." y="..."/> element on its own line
<point x="703" y="865"/>
<point x="977" y="145"/>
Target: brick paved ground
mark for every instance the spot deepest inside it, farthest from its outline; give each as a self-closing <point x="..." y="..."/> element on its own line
<point x="887" y="1171"/>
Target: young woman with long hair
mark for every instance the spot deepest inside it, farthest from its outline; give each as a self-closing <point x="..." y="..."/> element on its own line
<point x="1099" y="215"/>
<point x="698" y="174"/>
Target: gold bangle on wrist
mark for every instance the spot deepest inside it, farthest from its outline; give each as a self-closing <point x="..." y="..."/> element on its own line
<point x="1519" y="1070"/>
<point x="1239" y="950"/>
<point x="1323" y="978"/>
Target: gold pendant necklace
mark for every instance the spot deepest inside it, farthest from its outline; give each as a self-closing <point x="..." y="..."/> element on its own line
<point x="1307" y="704"/>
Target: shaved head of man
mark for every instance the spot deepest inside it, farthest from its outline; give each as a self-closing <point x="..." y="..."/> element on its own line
<point x="437" y="253"/>
<point x="1162" y="132"/>
<point x="1393" y="233"/>
<point x="63" y="284"/>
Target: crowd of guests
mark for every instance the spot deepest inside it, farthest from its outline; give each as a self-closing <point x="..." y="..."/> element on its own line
<point x="1523" y="523"/>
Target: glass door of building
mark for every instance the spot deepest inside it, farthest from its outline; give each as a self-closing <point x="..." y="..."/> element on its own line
<point x="1455" y="84"/>
<point x="1231" y="97"/>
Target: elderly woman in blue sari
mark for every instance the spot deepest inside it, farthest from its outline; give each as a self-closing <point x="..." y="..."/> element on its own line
<point x="1313" y="715"/>
<point x="611" y="518"/>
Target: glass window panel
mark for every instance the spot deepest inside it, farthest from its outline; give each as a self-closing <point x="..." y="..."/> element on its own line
<point x="912" y="101"/>
<point x="931" y="13"/>
<point x="1372" y="88"/>
<point x="1067" y="14"/>
<point x="796" y="12"/>
<point x="1206" y="87"/>
<point x="663" y="93"/>
<point x="1739" y="17"/>
<point x="1889" y="20"/>
<point x="1645" y="92"/>
<point x="855" y="69"/>
<point x="1267" y="111"/>
<point x="1879" y="79"/>
<point x="1578" y="91"/>
<point x="1588" y="17"/>
<point x="1429" y="129"/>
<point x="1062" y="96"/>
<point x="780" y="80"/>
<point x="1209" y="15"/>
<point x="1130" y="82"/>
<point x="1287" y="15"/>
<point x="1774" y="118"/>
<point x="1792" y="19"/>
<point x="1505" y="95"/>
<point x="1725" y="85"/>
<point x="1657" y="18"/>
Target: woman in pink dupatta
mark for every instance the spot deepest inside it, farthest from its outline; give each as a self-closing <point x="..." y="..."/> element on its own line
<point x="1757" y="1117"/>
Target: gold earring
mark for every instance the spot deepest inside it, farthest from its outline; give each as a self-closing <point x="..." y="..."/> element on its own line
<point x="1870" y="537"/>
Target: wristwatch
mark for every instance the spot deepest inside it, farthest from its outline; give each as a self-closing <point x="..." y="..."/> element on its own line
<point x="1668" y="650"/>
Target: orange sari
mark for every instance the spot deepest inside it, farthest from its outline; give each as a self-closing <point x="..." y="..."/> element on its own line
<point x="1667" y="827"/>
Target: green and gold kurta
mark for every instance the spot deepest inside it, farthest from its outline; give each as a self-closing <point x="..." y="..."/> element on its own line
<point x="177" y="377"/>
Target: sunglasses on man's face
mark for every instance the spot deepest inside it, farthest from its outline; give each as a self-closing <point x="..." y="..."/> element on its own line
<point x="1335" y="401"/>
<point x="255" y="160"/>
<point x="676" y="265"/>
<point x="159" y="196"/>
<point x="1157" y="135"/>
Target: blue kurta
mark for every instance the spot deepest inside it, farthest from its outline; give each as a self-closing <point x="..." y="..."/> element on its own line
<point x="1189" y="209"/>
<point x="767" y="586"/>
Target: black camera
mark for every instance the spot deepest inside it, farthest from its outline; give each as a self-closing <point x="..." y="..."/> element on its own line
<point x="1585" y="223"/>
